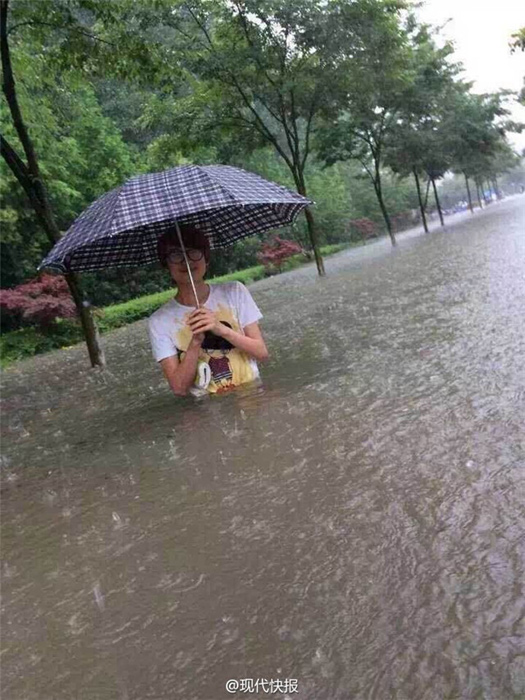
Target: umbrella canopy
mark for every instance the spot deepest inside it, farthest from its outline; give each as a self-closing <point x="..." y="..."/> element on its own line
<point x="121" y="228"/>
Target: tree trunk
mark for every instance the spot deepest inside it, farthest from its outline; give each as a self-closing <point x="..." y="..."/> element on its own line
<point x="386" y="217"/>
<point x="312" y="229"/>
<point x="421" y="207"/>
<point x="29" y="177"/>
<point x="496" y="188"/>
<point x="438" y="205"/>
<point x="425" y="203"/>
<point x="96" y="353"/>
<point x="483" y="195"/>
<point x="469" y="195"/>
<point x="379" y="194"/>
<point x="478" y="193"/>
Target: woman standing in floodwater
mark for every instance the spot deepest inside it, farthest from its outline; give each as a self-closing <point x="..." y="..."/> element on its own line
<point x="211" y="349"/>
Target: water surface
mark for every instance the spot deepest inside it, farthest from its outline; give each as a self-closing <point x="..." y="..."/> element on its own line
<point x="356" y="524"/>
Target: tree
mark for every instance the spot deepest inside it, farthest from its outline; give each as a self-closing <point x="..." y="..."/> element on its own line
<point x="29" y="176"/>
<point x="260" y="73"/>
<point x="476" y="127"/>
<point x="518" y="43"/>
<point x="417" y="145"/>
<point x="83" y="155"/>
<point x="377" y="77"/>
<point x="518" y="40"/>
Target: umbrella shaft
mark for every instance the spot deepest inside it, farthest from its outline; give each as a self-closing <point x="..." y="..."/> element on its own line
<point x="187" y="264"/>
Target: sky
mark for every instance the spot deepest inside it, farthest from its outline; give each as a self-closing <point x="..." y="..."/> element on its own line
<point x="481" y="30"/>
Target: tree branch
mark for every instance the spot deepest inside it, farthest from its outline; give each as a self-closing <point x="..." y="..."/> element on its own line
<point x="23" y="176"/>
<point x="265" y="131"/>
<point x="294" y="125"/>
<point x="308" y="130"/>
<point x="200" y="24"/>
<point x="244" y="25"/>
<point x="294" y="149"/>
<point x="365" y="166"/>
<point x="427" y="193"/>
<point x="263" y="70"/>
<point x="258" y="122"/>
<point x="8" y="87"/>
<point x="16" y="165"/>
<point x="34" y="23"/>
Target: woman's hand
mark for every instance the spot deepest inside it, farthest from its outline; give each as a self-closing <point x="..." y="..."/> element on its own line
<point x="202" y="320"/>
<point x="251" y="341"/>
<point x="197" y="340"/>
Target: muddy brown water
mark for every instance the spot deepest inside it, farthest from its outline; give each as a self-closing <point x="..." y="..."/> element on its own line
<point x="357" y="523"/>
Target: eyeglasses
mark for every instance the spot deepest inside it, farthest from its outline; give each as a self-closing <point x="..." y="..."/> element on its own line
<point x="177" y="256"/>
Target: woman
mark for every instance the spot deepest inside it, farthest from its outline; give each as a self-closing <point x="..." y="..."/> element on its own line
<point x="213" y="348"/>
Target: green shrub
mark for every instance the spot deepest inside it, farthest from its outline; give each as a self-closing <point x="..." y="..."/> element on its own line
<point x="293" y="263"/>
<point x="250" y="273"/>
<point x="26" y="342"/>
<point x="129" y="311"/>
<point x="338" y="247"/>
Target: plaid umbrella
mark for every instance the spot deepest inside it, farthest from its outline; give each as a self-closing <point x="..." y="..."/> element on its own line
<point x="121" y="228"/>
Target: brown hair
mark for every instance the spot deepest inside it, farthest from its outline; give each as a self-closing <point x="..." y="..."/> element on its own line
<point x="192" y="237"/>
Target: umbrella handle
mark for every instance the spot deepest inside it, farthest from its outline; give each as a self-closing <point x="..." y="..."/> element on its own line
<point x="197" y="305"/>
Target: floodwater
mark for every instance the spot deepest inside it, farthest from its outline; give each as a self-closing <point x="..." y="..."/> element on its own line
<point x="357" y="523"/>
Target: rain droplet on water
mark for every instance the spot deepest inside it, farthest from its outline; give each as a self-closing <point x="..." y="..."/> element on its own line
<point x="99" y="598"/>
<point x="117" y="520"/>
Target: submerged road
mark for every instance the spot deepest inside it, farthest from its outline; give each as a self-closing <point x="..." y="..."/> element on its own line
<point x="356" y="524"/>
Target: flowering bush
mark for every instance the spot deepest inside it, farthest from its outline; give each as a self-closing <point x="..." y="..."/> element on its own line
<point x="38" y="302"/>
<point x="277" y="251"/>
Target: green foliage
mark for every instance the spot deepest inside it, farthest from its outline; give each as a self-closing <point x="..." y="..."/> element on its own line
<point x="26" y="342"/>
<point x="453" y="189"/>
<point x="518" y="40"/>
<point x="81" y="152"/>
<point x="514" y="178"/>
<point x="376" y="80"/>
<point x="111" y="89"/>
<point x="418" y="141"/>
<point x="113" y="286"/>
<point x="476" y="126"/>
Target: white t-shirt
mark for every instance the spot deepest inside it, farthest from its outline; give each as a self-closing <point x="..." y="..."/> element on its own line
<point x="221" y="365"/>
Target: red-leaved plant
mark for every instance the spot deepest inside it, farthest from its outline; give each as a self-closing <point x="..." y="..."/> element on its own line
<point x="275" y="252"/>
<point x="38" y="302"/>
<point x="363" y="227"/>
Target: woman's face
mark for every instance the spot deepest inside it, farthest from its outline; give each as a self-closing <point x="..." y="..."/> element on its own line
<point x="178" y="269"/>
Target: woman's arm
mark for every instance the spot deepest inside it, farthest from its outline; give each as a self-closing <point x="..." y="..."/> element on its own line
<point x="252" y="342"/>
<point x="181" y="373"/>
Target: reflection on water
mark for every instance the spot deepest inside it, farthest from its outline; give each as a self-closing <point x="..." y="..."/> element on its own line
<point x="356" y="523"/>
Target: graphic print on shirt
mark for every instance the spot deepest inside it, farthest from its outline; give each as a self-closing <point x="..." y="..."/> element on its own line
<point x="219" y="366"/>
<point x="229" y="366"/>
